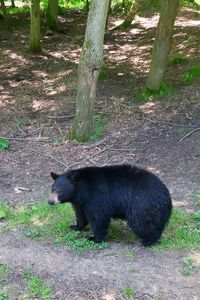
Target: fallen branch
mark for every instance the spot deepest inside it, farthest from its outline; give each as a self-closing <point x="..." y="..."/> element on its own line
<point x="41" y="139"/>
<point x="60" y="117"/>
<point x="49" y="156"/>
<point x="188" y="134"/>
<point x="87" y="158"/>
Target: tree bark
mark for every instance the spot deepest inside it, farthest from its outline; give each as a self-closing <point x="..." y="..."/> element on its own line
<point x="161" y="47"/>
<point x="12" y="3"/>
<point x="34" y="42"/>
<point x="3" y="7"/>
<point x="52" y="15"/>
<point x="89" y="67"/>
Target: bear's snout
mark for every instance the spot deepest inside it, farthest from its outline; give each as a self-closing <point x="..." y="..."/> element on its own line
<point x="54" y="199"/>
<point x="51" y="202"/>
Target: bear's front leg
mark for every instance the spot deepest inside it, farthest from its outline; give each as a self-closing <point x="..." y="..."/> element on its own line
<point x="100" y="230"/>
<point x="80" y="218"/>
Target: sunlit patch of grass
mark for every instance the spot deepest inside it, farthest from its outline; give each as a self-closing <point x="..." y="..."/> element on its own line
<point x="42" y="221"/>
<point x="182" y="232"/>
<point x="98" y="128"/>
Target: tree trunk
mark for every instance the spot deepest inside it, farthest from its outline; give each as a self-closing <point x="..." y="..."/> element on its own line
<point x="89" y="67"/>
<point x="34" y="42"/>
<point x="12" y="3"/>
<point x="3" y="8"/>
<point x="52" y="15"/>
<point x="161" y="47"/>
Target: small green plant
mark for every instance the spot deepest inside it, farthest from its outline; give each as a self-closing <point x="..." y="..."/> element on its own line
<point x="37" y="287"/>
<point x="99" y="126"/>
<point x="197" y="198"/>
<point x="102" y="73"/>
<point x="187" y="267"/>
<point x="4" y="210"/>
<point x="4" y="144"/>
<point x="165" y="89"/>
<point x="191" y="75"/>
<point x="2" y="295"/>
<point x="129" y="292"/>
<point x="178" y="59"/>
<point x="3" y="273"/>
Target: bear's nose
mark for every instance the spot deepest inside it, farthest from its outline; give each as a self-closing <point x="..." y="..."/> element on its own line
<point x="51" y="202"/>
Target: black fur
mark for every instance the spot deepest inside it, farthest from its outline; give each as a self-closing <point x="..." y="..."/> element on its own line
<point x="125" y="192"/>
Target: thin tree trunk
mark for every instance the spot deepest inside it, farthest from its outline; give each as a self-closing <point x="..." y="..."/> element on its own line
<point x="89" y="67"/>
<point x="34" y="42"/>
<point x="109" y="8"/>
<point x="3" y="7"/>
<point x="162" y="43"/>
<point x="52" y="15"/>
<point x="12" y="3"/>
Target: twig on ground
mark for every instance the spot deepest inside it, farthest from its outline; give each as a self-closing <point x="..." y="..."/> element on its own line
<point x="49" y="156"/>
<point x="87" y="158"/>
<point x="169" y="123"/>
<point x="60" y="117"/>
<point x="40" y="139"/>
<point x="188" y="134"/>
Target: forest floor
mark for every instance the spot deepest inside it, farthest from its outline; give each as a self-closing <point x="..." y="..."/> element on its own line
<point x="37" y="104"/>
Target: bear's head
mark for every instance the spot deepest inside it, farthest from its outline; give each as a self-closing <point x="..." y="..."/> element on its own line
<point x="63" y="188"/>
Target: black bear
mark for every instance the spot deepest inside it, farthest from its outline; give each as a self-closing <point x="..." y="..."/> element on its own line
<point x="126" y="192"/>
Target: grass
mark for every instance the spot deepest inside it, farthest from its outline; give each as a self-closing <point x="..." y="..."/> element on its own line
<point x="3" y="273"/>
<point x="42" y="221"/>
<point x="129" y="292"/>
<point x="98" y="128"/>
<point x="178" y="59"/>
<point x="187" y="267"/>
<point x="4" y="144"/>
<point x="5" y="211"/>
<point x="192" y="74"/>
<point x="197" y="198"/>
<point x="182" y="232"/>
<point x="165" y="89"/>
<point x="37" y="287"/>
<point x="45" y="222"/>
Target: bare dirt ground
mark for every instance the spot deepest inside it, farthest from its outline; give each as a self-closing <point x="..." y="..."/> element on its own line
<point x="37" y="106"/>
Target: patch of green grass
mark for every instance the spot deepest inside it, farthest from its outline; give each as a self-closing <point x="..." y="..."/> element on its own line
<point x="5" y="211"/>
<point x="42" y="221"/>
<point x="102" y="73"/>
<point x="98" y="128"/>
<point x="4" y="144"/>
<point x="3" y="273"/>
<point x="182" y="232"/>
<point x="3" y="296"/>
<point x="37" y="287"/>
<point x="178" y="59"/>
<point x="197" y="198"/>
<point x="187" y="267"/>
<point x="165" y="89"/>
<point x="129" y="292"/>
<point x="192" y="74"/>
<point x="120" y="232"/>
<point x="181" y="130"/>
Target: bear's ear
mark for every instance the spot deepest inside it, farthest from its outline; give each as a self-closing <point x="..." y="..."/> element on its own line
<point x="74" y="176"/>
<point x="54" y="175"/>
